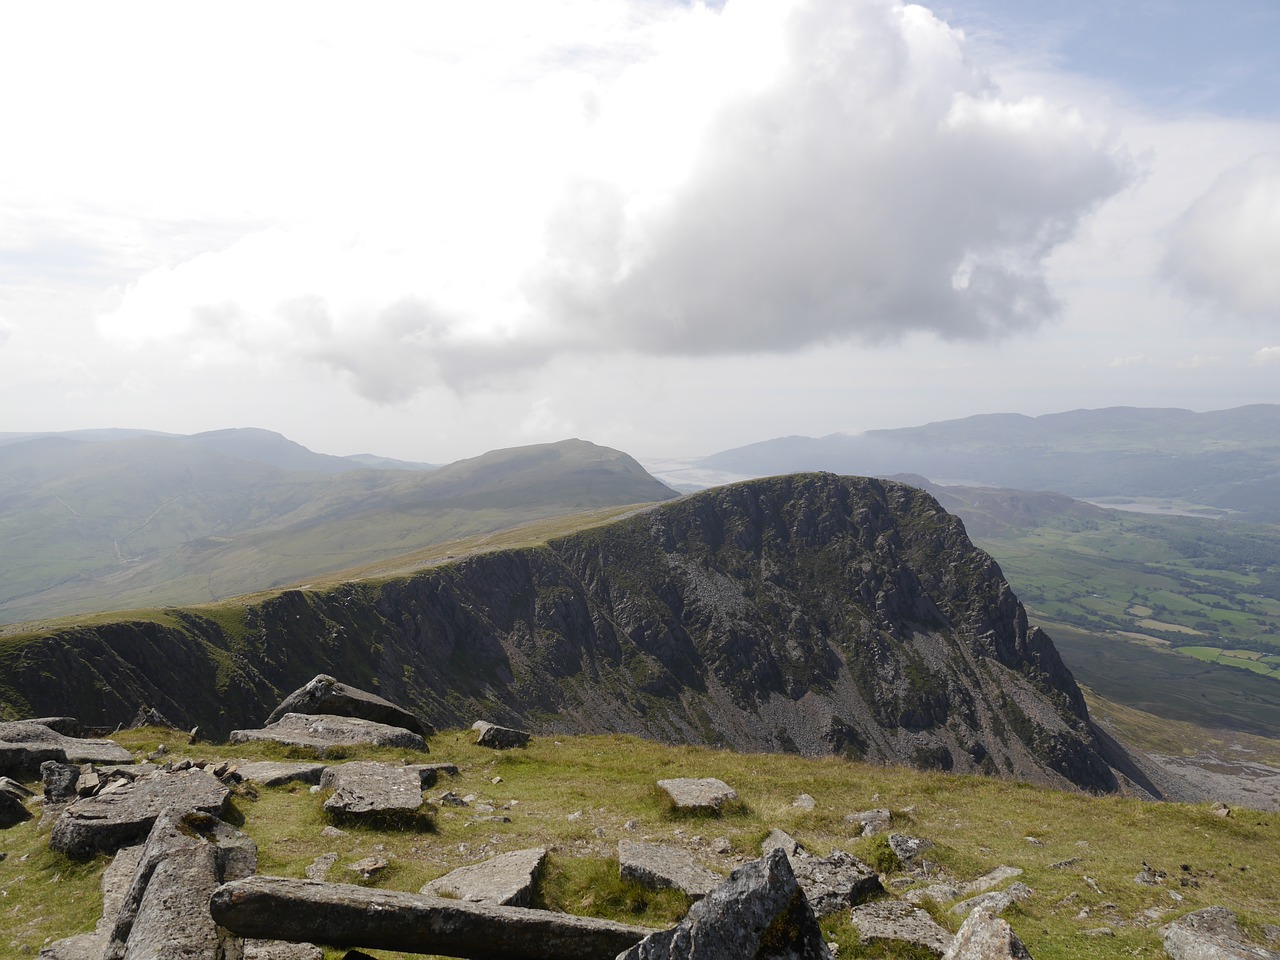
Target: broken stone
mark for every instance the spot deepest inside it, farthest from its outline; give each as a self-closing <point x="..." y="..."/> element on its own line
<point x="1211" y="934"/>
<point x="117" y="878"/>
<point x="907" y="848"/>
<point x="280" y="950"/>
<point x="320" y="732"/>
<point x="365" y="787"/>
<point x="507" y="879"/>
<point x="59" y="781"/>
<point x="1149" y="876"/>
<point x="14" y="788"/>
<point x="836" y="882"/>
<point x="804" y="802"/>
<point x="344" y="915"/>
<point x="324" y="695"/>
<point x="368" y="867"/>
<point x="706" y="794"/>
<point x="429" y="773"/>
<point x="759" y="912"/>
<point x="25" y="745"/>
<point x="499" y="738"/>
<point x="656" y="866"/>
<point x="895" y="920"/>
<point x="873" y="821"/>
<point x="151" y="717"/>
<point x="984" y="937"/>
<point x="1220" y="810"/>
<point x="995" y="902"/>
<point x="276" y="774"/>
<point x="781" y="840"/>
<point x="107" y="822"/>
<point x="87" y="784"/>
<point x="12" y="810"/>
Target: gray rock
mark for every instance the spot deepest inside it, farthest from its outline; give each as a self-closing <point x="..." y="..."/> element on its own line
<point x="67" y="726"/>
<point x="1211" y="934"/>
<point x="873" y="821"/>
<point x="365" y="787"/>
<point x="990" y="879"/>
<point x="985" y="937"/>
<point x="994" y="902"/>
<point x="16" y="789"/>
<point x="319" y="868"/>
<point x="781" y="840"/>
<point x="109" y="821"/>
<point x="499" y="738"/>
<point x="937" y="892"/>
<point x="804" y="802"/>
<point x="12" y="810"/>
<point x="507" y="880"/>
<point x="117" y="878"/>
<point x="25" y="745"/>
<point x="185" y="858"/>
<point x="759" y="913"/>
<point x="151" y="717"/>
<point x="369" y="866"/>
<point x="276" y="774"/>
<point x="706" y="794"/>
<point x="320" y="732"/>
<point x="657" y="866"/>
<point x="429" y="773"/>
<point x="325" y="695"/>
<point x="907" y="848"/>
<point x="836" y="882"/>
<point x="59" y="780"/>
<point x="343" y="915"/>
<point x="281" y="950"/>
<point x="895" y="920"/>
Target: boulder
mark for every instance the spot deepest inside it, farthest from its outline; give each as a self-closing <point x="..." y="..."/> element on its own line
<point x="117" y="878"/>
<point x="994" y="902"/>
<point x="275" y="774"/>
<point x="693" y="795"/>
<point x="344" y="915"/>
<point x="507" y="880"/>
<point x="151" y="717"/>
<point x="873" y="821"/>
<point x="657" y="866"/>
<point x="907" y="848"/>
<point x="365" y="787"/>
<point x="109" y="821"/>
<point x="59" y="781"/>
<point x="25" y="745"/>
<point x="319" y="868"/>
<point x="326" y="696"/>
<point x="759" y="912"/>
<point x="1211" y="934"/>
<point x="986" y="937"/>
<point x="780" y="840"/>
<point x="185" y="858"/>
<point x="67" y="726"/>
<point x="429" y="773"/>
<point x="12" y="810"/>
<point x="836" y="882"/>
<point x="320" y="732"/>
<point x="16" y="789"/>
<point x="499" y="738"/>
<point x="895" y="920"/>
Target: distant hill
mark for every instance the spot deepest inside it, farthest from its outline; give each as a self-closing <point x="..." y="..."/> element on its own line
<point x="88" y="525"/>
<point x="1229" y="459"/>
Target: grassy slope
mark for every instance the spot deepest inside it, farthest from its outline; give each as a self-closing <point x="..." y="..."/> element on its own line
<point x="977" y="823"/>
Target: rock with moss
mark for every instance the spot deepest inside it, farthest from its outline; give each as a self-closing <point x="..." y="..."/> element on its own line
<point x="895" y="920"/>
<point x="658" y="866"/>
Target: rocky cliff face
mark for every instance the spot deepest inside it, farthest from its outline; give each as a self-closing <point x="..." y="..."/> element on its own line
<point x="808" y="613"/>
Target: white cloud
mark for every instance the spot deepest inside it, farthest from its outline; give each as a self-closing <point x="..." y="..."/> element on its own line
<point x="1267" y="355"/>
<point x="1134" y="360"/>
<point x="688" y="181"/>
<point x="1225" y="248"/>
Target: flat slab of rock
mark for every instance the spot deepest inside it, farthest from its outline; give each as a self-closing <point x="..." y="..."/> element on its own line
<point x="276" y="774"/>
<point x="985" y="937"/>
<point x="873" y="821"/>
<point x="281" y="950"/>
<point x="994" y="902"/>
<point x="320" y="732"/>
<point x="907" y="848"/>
<point x="657" y="866"/>
<point x="25" y="744"/>
<point x="367" y="787"/>
<point x="836" y="882"/>
<point x="117" y="878"/>
<point x="759" y="913"/>
<point x="895" y="920"/>
<point x="507" y="879"/>
<point x="343" y="915"/>
<point x="499" y="738"/>
<point x="327" y="696"/>
<point x="698" y="794"/>
<point x="109" y="821"/>
<point x="1211" y="934"/>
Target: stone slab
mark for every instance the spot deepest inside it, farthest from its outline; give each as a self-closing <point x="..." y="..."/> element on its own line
<point x="327" y="696"/>
<point x="507" y="879"/>
<point x="117" y="878"/>
<point x="698" y="793"/>
<point x="895" y="920"/>
<point x="276" y="774"/>
<point x="499" y="738"/>
<point x="658" y="866"/>
<point x="835" y="882"/>
<point x="320" y="732"/>
<point x="24" y="745"/>
<point x="367" y="787"/>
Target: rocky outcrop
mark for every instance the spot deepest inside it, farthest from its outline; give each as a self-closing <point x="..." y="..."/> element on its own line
<point x="1211" y="934"/>
<point x="813" y="614"/>
<point x="26" y="744"/>
<point x="320" y="732"/>
<point x="325" y="695"/>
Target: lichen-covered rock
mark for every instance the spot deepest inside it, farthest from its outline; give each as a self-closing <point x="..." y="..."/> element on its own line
<point x="320" y="732"/>
<point x="695" y="794"/>
<point x="271" y="773"/>
<point x="1211" y="934"/>
<point x="758" y="913"/>
<point x="983" y="936"/>
<point x="657" y="866"/>
<point x="507" y="879"/>
<point x="499" y="738"/>
<point x="365" y="787"/>
<point x="835" y="882"/>
<point x="895" y="920"/>
<point x="994" y="902"/>
<point x="327" y="696"/>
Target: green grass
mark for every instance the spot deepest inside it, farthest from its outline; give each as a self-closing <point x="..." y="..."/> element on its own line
<point x="608" y="782"/>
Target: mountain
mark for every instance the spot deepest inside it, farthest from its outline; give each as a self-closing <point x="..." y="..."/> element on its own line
<point x="1229" y="459"/>
<point x="813" y="614"/>
<point x="161" y="520"/>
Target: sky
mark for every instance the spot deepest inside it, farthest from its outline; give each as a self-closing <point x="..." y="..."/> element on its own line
<point x="427" y="230"/>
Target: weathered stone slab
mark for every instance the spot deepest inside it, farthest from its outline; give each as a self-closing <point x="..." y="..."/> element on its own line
<point x="281" y="950"/>
<point x="275" y="774"/>
<point x="990" y="879"/>
<point x="109" y="821"/>
<point x="12" y="810"/>
<point x="367" y="787"/>
<point x="319" y="868"/>
<point x="895" y="920"/>
<point x="507" y="879"/>
<point x="657" y="866"/>
<point x="67" y="726"/>
<point x="994" y="902"/>
<point x="1211" y="934"/>
<point x="327" y="696"/>
<point x="499" y="738"/>
<point x="759" y="912"/>
<point x="835" y="882"/>
<point x="698" y="794"/>
<point x="59" y="780"/>
<point x="343" y="915"/>
<point x="873" y="821"/>
<point x="185" y="858"/>
<point x="780" y="840"/>
<point x="320" y="732"/>
<point x="24" y="745"/>
<point x="907" y="848"/>
<point x="14" y="788"/>
<point x="117" y="878"/>
<point x="986" y="937"/>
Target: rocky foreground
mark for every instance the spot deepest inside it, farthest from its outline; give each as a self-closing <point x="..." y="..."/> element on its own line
<point x="183" y="882"/>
